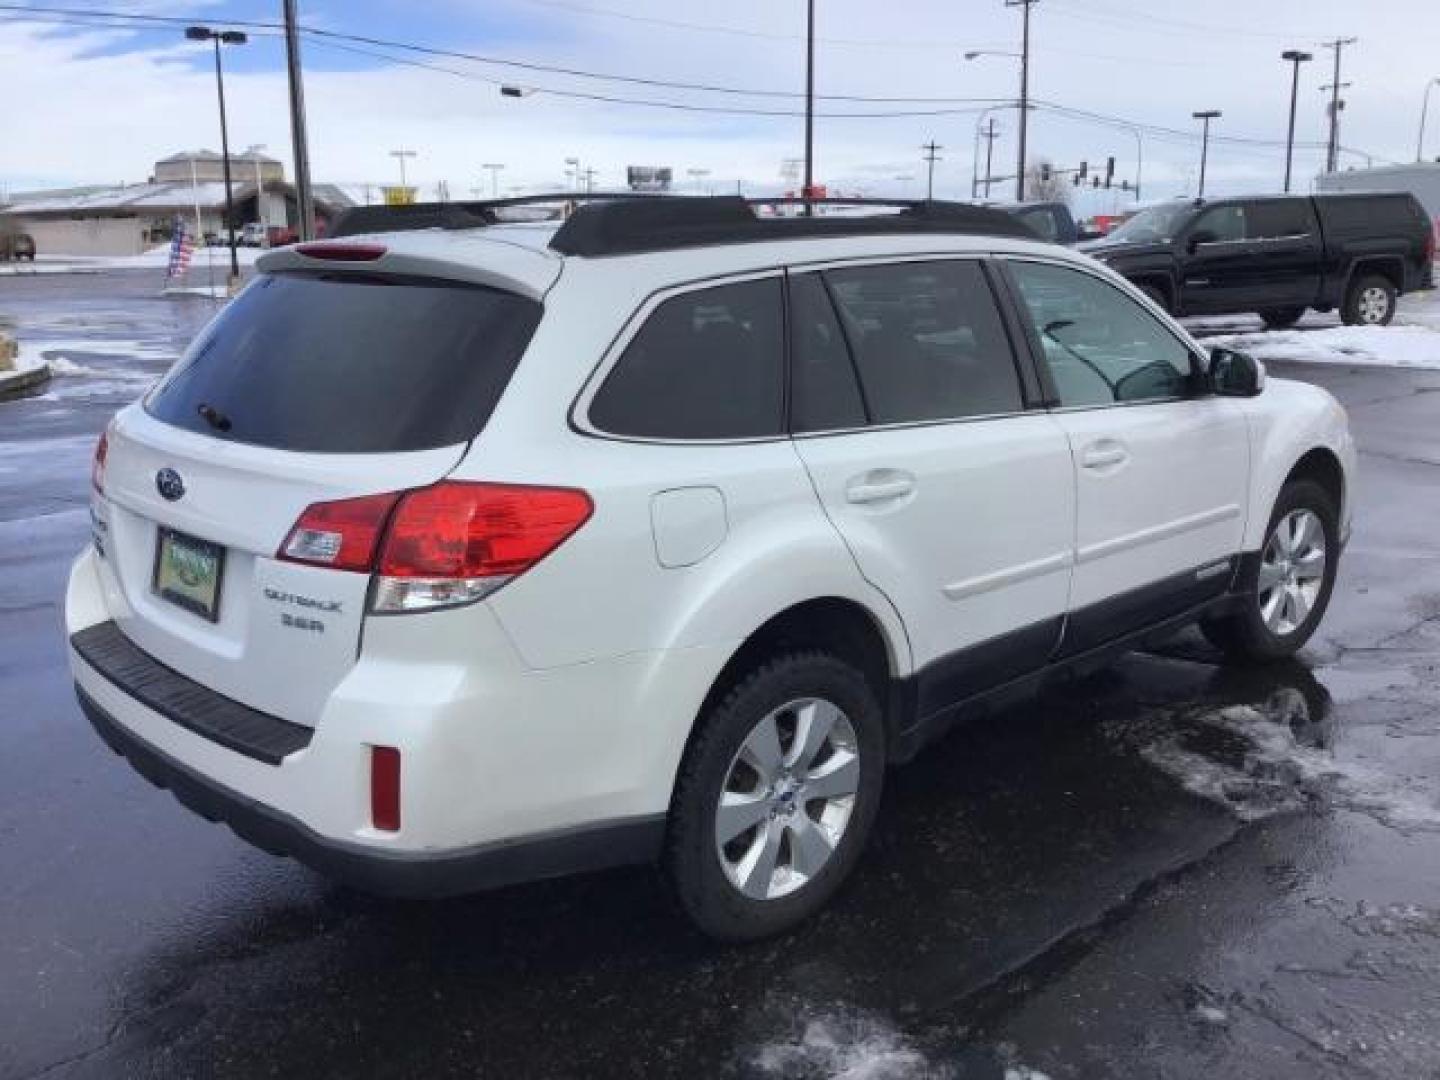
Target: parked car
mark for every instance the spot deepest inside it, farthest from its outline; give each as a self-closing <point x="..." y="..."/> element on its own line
<point x="16" y="246"/>
<point x="1277" y="255"/>
<point x="661" y="533"/>
<point x="1050" y="221"/>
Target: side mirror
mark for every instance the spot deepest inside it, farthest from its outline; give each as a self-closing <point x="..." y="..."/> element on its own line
<point x="1204" y="236"/>
<point x="1235" y="374"/>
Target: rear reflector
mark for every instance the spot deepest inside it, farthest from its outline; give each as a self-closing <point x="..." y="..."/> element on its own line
<point x="385" y="788"/>
<point x="342" y="535"/>
<point x="337" y="252"/>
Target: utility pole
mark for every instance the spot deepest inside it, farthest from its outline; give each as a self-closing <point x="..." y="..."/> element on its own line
<point x="1424" y="112"/>
<point x="1296" y="57"/>
<point x="932" y="149"/>
<point x="990" y="136"/>
<point x="809" y="188"/>
<point x="1332" y="154"/>
<point x="1025" y="5"/>
<point x="493" y="168"/>
<point x="401" y="155"/>
<point x="1207" y="116"/>
<point x="304" y="201"/>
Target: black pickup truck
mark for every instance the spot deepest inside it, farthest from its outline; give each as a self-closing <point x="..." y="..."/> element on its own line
<point x="1277" y="255"/>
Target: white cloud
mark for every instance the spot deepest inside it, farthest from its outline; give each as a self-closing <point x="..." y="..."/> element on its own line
<point x="78" y="115"/>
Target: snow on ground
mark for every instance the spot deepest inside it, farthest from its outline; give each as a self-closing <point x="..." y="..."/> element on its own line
<point x="157" y="258"/>
<point x="837" y="1045"/>
<point x="1412" y="341"/>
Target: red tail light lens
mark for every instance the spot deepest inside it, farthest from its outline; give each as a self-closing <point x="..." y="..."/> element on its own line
<point x="342" y="535"/>
<point x="97" y="467"/>
<point x="450" y="543"/>
<point x="460" y="530"/>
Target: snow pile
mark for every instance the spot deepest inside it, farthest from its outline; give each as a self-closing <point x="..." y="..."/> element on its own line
<point x="1261" y="762"/>
<point x="846" y="1046"/>
<point x="1371" y="346"/>
<point x="157" y="258"/>
<point x="35" y="353"/>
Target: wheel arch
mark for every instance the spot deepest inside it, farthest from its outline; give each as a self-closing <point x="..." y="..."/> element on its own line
<point x="1390" y="267"/>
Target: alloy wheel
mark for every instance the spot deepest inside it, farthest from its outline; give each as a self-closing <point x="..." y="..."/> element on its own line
<point x="1292" y="572"/>
<point x="787" y="798"/>
<point x="1374" y="305"/>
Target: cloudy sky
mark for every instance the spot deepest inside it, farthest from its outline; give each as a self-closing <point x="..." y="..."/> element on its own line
<point x="88" y="104"/>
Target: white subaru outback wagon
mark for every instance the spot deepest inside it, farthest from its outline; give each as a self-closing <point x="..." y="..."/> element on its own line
<point x="455" y="553"/>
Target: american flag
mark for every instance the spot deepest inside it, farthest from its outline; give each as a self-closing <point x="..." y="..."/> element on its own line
<point x="181" y="248"/>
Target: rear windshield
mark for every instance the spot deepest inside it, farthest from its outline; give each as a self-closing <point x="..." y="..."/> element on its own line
<point x="339" y="363"/>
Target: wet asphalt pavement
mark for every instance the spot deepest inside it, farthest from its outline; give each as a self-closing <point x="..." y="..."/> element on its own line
<point x="1171" y="869"/>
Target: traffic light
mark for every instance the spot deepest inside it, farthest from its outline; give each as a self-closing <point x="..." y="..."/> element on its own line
<point x="1044" y="172"/>
<point x="1109" y="171"/>
<point x="1095" y="180"/>
<point x="1084" y="169"/>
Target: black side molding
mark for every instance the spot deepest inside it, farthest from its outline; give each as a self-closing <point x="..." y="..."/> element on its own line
<point x="185" y="702"/>
<point x="386" y="873"/>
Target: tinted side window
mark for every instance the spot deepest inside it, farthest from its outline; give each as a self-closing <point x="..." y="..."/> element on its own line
<point x="928" y="341"/>
<point x="824" y="395"/>
<point x="1223" y="224"/>
<point x="706" y="365"/>
<point x="1043" y="221"/>
<point x="1101" y="346"/>
<point x="1280" y="218"/>
<point x="1369" y="214"/>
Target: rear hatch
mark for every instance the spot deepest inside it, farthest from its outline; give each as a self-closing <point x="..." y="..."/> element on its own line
<point x="312" y="386"/>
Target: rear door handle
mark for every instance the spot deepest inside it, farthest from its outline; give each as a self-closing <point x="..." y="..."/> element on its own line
<point x="1104" y="455"/>
<point x="865" y="490"/>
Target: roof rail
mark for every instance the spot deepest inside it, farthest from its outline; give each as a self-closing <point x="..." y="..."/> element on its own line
<point x="624" y="228"/>
<point x="466" y="214"/>
<point x="626" y="223"/>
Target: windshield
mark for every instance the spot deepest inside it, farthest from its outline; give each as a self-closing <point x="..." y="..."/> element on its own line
<point x="1157" y="223"/>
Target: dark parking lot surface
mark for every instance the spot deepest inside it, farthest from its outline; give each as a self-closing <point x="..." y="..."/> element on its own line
<point x="1170" y="869"/>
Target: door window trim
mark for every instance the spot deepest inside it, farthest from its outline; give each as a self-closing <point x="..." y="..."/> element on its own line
<point x="1199" y="365"/>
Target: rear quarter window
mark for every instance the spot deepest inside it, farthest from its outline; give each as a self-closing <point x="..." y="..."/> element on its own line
<point x="707" y="364"/>
<point x="1371" y="214"/>
<point x="344" y="363"/>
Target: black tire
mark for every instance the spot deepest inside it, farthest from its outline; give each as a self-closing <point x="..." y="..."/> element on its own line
<point x="1244" y="634"/>
<point x="1282" y="318"/>
<point x="1361" y="306"/>
<point x="692" y="861"/>
<point x="1157" y="297"/>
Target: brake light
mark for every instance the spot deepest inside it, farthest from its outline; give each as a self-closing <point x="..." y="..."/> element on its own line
<point x="97" y="466"/>
<point x="456" y="542"/>
<point x="337" y="252"/>
<point x="451" y="543"/>
<point x="342" y="535"/>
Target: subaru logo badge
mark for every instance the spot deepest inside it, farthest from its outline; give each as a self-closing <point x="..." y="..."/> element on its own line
<point x="169" y="484"/>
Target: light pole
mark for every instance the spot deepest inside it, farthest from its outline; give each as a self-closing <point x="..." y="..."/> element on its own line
<point x="1024" y="58"/>
<point x="1424" y="109"/>
<point x="493" y="168"/>
<point x="226" y="37"/>
<point x="400" y="156"/>
<point x="697" y="175"/>
<point x="932" y="154"/>
<point x="254" y="152"/>
<point x="572" y="172"/>
<point x="1206" y="116"/>
<point x="809" y="190"/>
<point x="1296" y="57"/>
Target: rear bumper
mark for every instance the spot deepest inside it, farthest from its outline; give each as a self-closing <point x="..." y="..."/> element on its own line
<point x="380" y="871"/>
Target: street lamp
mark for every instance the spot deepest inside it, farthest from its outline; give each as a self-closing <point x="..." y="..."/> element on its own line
<point x="223" y="37"/>
<point x="1024" y="58"/>
<point x="493" y="168"/>
<point x="1206" y="116"/>
<point x="1296" y="57"/>
<point x="1424" y="109"/>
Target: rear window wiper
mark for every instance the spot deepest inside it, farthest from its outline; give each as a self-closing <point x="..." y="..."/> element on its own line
<point x="214" y="417"/>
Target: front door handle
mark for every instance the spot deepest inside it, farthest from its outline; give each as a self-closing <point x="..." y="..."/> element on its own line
<point x="885" y="487"/>
<point x="1105" y="454"/>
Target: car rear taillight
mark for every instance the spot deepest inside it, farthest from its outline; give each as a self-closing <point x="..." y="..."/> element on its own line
<point x="342" y="534"/>
<point x="332" y="251"/>
<point x="385" y="788"/>
<point x="97" y="466"/>
<point x="1430" y="243"/>
<point x="451" y="543"/>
